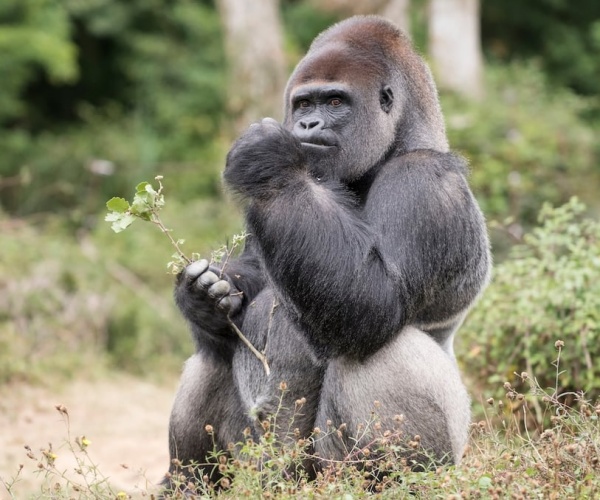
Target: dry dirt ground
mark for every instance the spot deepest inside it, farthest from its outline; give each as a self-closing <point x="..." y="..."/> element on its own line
<point x="124" y="418"/>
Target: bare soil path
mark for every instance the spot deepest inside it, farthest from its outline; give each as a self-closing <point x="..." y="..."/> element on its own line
<point x="124" y="418"/>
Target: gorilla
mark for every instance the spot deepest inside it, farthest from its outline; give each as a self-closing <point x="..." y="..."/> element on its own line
<point x="366" y="249"/>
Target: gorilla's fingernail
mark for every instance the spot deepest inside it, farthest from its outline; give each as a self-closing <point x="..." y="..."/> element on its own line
<point x="225" y="304"/>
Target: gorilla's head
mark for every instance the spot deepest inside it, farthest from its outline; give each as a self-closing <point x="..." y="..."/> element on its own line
<point x="360" y="94"/>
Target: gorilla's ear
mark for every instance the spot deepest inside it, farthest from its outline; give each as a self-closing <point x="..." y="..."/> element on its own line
<point x="386" y="98"/>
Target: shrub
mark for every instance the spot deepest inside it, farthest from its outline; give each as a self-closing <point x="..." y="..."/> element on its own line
<point x="527" y="144"/>
<point x="547" y="290"/>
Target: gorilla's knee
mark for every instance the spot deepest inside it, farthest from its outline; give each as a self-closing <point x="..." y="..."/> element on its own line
<point x="206" y="417"/>
<point x="409" y="388"/>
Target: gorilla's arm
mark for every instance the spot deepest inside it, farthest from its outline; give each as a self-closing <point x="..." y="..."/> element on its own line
<point x="415" y="252"/>
<point x="206" y="295"/>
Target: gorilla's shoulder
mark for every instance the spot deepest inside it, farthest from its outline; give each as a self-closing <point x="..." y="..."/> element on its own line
<point x="425" y="163"/>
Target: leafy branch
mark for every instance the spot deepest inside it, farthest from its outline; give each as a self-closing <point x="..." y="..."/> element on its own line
<point x="146" y="205"/>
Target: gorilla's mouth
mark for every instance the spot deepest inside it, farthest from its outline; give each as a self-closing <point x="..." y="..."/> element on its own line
<point x="317" y="144"/>
<point x="317" y="139"/>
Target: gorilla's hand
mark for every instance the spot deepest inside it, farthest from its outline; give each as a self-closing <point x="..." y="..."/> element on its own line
<point x="206" y="296"/>
<point x="261" y="160"/>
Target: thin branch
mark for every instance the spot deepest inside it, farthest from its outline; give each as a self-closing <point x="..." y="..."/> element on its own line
<point x="262" y="358"/>
<point x="156" y="220"/>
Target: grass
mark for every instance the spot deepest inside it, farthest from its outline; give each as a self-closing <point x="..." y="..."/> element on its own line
<point x="511" y="454"/>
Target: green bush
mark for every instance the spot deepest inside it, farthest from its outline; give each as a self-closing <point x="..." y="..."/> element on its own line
<point x="76" y="170"/>
<point x="526" y="142"/>
<point x="547" y="290"/>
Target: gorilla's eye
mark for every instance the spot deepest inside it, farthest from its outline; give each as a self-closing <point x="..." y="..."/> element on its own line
<point x="303" y="103"/>
<point x="335" y="102"/>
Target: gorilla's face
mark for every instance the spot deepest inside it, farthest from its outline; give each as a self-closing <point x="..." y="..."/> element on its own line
<point x="343" y="119"/>
<point x="321" y="118"/>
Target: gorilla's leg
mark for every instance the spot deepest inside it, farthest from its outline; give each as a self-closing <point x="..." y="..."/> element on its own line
<point x="207" y="395"/>
<point x="290" y="393"/>
<point x="418" y="391"/>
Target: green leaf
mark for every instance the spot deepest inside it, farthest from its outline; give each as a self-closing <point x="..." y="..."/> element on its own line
<point x="531" y="471"/>
<point x="159" y="202"/>
<point x="120" y="222"/>
<point x="123" y="223"/>
<point x="141" y="187"/>
<point x="149" y="189"/>
<point x="142" y="206"/>
<point x="112" y="216"/>
<point x="176" y="265"/>
<point x="119" y="205"/>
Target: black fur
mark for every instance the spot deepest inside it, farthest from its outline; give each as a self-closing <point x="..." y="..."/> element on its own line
<point x="363" y="236"/>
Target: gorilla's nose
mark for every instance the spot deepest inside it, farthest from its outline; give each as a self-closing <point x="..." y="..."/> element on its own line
<point x="312" y="131"/>
<point x="313" y="124"/>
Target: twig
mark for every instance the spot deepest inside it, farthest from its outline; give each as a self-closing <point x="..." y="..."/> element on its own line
<point x="156" y="220"/>
<point x="529" y="366"/>
<point x="254" y="350"/>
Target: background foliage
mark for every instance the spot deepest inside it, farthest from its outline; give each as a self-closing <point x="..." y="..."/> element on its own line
<point x="98" y="95"/>
<point x="548" y="289"/>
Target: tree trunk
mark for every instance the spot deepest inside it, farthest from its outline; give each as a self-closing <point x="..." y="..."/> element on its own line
<point x="254" y="48"/>
<point x="455" y="46"/>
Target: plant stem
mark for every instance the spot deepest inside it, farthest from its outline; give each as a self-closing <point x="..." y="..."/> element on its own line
<point x="262" y="358"/>
<point x="156" y="220"/>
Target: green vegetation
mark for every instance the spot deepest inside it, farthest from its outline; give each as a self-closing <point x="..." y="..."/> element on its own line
<point x="560" y="460"/>
<point x="112" y="91"/>
<point x="548" y="288"/>
<point x="70" y="299"/>
<point x="566" y="41"/>
<point x="527" y="144"/>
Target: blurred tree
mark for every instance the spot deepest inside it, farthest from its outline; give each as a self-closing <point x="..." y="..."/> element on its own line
<point x="161" y="59"/>
<point x="303" y="21"/>
<point x="254" y="46"/>
<point x="139" y="84"/>
<point x="34" y="39"/>
<point x="455" y="46"/>
<point x="564" y="36"/>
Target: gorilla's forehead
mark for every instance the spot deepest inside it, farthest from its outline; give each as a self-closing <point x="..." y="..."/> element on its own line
<point x="340" y="62"/>
<point x="322" y="88"/>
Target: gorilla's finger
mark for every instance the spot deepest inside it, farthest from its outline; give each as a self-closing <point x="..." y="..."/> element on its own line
<point x="219" y="289"/>
<point x="270" y="121"/>
<point x="196" y="268"/>
<point x="207" y="279"/>
<point x="231" y="304"/>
